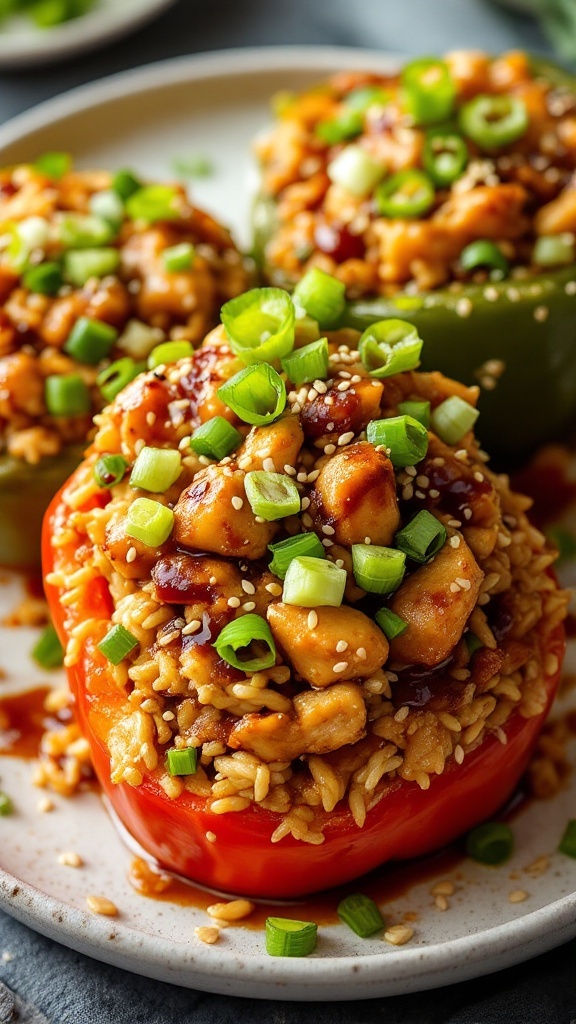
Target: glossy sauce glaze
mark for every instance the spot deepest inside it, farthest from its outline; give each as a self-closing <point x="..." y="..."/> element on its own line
<point x="23" y="721"/>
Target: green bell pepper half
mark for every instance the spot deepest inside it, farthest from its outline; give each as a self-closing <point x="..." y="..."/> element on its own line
<point x="25" y="493"/>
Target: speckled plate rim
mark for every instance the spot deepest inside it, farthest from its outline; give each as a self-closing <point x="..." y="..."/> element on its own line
<point x="316" y="978"/>
<point x="264" y="977"/>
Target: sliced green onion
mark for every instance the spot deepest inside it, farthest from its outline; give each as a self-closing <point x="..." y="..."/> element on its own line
<point x="406" y="194"/>
<point x="452" y="419"/>
<point x="138" y="339"/>
<point x="567" y="844"/>
<point x="422" y="537"/>
<point x="107" y="206"/>
<point x="378" y="570"/>
<point x="494" y="121"/>
<point x="313" y="583"/>
<point x="149" y="521"/>
<point x="428" y="90"/>
<point x="110" y="470"/>
<point x="321" y="295"/>
<point x="156" y="469"/>
<point x="271" y="495"/>
<point x="390" y="623"/>
<point x="490" y="843"/>
<point x="307" y="363"/>
<point x="182" y="762"/>
<point x="26" y="236"/>
<point x="307" y="329"/>
<point x="406" y="439"/>
<point x="84" y="231"/>
<point x="125" y="184"/>
<point x="234" y="643"/>
<point x="564" y="540"/>
<point x="305" y="545"/>
<point x="389" y="347"/>
<point x="554" y="250"/>
<point x="66" y="395"/>
<point x="290" y="938"/>
<point x="152" y="203"/>
<point x="356" y="171"/>
<point x="197" y="166"/>
<point x="114" y="378"/>
<point x="347" y="125"/>
<point x="90" y="340"/>
<point x="6" y="805"/>
<point x="80" y="265"/>
<point x="417" y="410"/>
<point x="169" y="352"/>
<point x="44" y="279"/>
<point x="47" y="650"/>
<point x="260" y="324"/>
<point x="54" y="165"/>
<point x="257" y="394"/>
<point x="445" y="156"/>
<point x="472" y="642"/>
<point x="216" y="438"/>
<point x="117" y="644"/>
<point x="367" y="96"/>
<point x="484" y="253"/>
<point x="178" y="258"/>
<point x="361" y="914"/>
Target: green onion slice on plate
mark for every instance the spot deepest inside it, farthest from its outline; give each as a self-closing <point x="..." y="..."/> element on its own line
<point x="48" y="651"/>
<point x="285" y="937"/>
<point x="361" y="914"/>
<point x="490" y="843"/>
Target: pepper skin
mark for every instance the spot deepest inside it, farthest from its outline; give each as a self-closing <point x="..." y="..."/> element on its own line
<point x="407" y="822"/>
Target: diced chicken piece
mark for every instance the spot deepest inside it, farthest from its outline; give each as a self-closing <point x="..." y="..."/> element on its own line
<point x="206" y="519"/>
<point x="356" y="495"/>
<point x="470" y="70"/>
<point x="201" y="583"/>
<point x="559" y="215"/>
<point x="325" y="720"/>
<point x="118" y="543"/>
<point x="213" y="364"/>
<point x="108" y="301"/>
<point x="280" y="441"/>
<point x="342" y="637"/>
<point x="163" y="292"/>
<point x="436" y="601"/>
<point x="21" y="386"/>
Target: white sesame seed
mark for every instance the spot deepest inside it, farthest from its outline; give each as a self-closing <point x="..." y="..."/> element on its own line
<point x="411" y="470"/>
<point x="518" y="896"/>
<point x="313" y="476"/>
<point x="329" y="449"/>
<point x="361" y="653"/>
<point x="464" y="307"/>
<point x="305" y="504"/>
<point x="168" y="638"/>
<point x="249" y="606"/>
<point x="420" y="495"/>
<point x="296" y="408"/>
<point x="343" y="386"/>
<point x="213" y="580"/>
<point x="307" y="519"/>
<point x="455" y="523"/>
<point x="204" y="460"/>
<point x="70" y="859"/>
<point x="211" y="837"/>
<point x="458" y="754"/>
<point x="339" y="667"/>
<point x="570" y="288"/>
<point x="320" y="387"/>
<point x="330" y="427"/>
<point x="302" y="477"/>
<point x="329" y="400"/>
<point x="131" y="554"/>
<point x="312" y="394"/>
<point x="344" y="374"/>
<point x="328" y="530"/>
<point x="327" y="543"/>
<point x="403" y="712"/>
<point x="345" y="438"/>
<point x="467" y="513"/>
<point x="150" y="418"/>
<point x="192" y="627"/>
<point x="541" y="314"/>
<point x="339" y="562"/>
<point x="268" y="465"/>
<point x="422" y="481"/>
<point x="407" y="492"/>
<point x="233" y="602"/>
<point x="478" y="476"/>
<point x="168" y="716"/>
<point x="45" y="805"/>
<point x="237" y="502"/>
<point x="454" y="588"/>
<point x="367" y="540"/>
<point x="312" y="619"/>
<point x="461" y="454"/>
<point x="258" y="519"/>
<point x="455" y="541"/>
<point x="245" y="462"/>
<point x="433" y="493"/>
<point x="248" y="587"/>
<point x="273" y="588"/>
<point x="462" y="583"/>
<point x="289" y="470"/>
<point x="341" y="646"/>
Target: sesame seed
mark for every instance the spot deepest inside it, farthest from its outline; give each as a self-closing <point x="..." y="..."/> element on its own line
<point x="341" y="646"/>
<point x="343" y="386"/>
<point x="407" y="492"/>
<point x="168" y="638"/>
<point x="289" y="470"/>
<point x="411" y="471"/>
<point x="361" y="653"/>
<point x="461" y="454"/>
<point x="345" y="438"/>
<point x="402" y="713"/>
<point x="462" y="583"/>
<point x="398" y="934"/>
<point x="339" y="667"/>
<point x="245" y="462"/>
<point x="192" y="627"/>
<point x="455" y="541"/>
<point x="320" y="387"/>
<point x="419" y="494"/>
<point x="225" y="461"/>
<point x="268" y="465"/>
<point x="344" y="374"/>
<point x="467" y="513"/>
<point x="541" y="314"/>
<point x="168" y="716"/>
<point x="100" y="905"/>
<point x="207" y="934"/>
<point x="312" y="619"/>
<point x="313" y="476"/>
<point x="248" y="587"/>
<point x="302" y="477"/>
<point x="237" y="502"/>
<point x="211" y="837"/>
<point x="330" y="427"/>
<point x="455" y="523"/>
<point x="329" y="449"/>
<point x="213" y="580"/>
<point x="328" y="530"/>
<point x="233" y="602"/>
<point x="249" y="606"/>
<point x="464" y="307"/>
<point x="204" y="460"/>
<point x="45" y="805"/>
<point x="307" y="519"/>
<point x="423" y="481"/>
<point x="329" y="400"/>
<point x="356" y="379"/>
<point x="454" y="588"/>
<point x="273" y="588"/>
<point x="296" y="408"/>
<point x="339" y="562"/>
<point x="305" y="504"/>
<point x="131" y="554"/>
<point x="443" y="888"/>
<point x="458" y="754"/>
<point x="441" y="902"/>
<point x="150" y="418"/>
<point x="327" y="542"/>
<point x="367" y="540"/>
<point x="433" y="493"/>
<point x="258" y="519"/>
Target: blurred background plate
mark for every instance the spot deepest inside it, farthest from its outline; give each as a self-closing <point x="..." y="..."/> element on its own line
<point x="23" y="45"/>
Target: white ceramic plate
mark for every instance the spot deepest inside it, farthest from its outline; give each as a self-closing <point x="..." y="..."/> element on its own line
<point x="23" y="45"/>
<point x="212" y="105"/>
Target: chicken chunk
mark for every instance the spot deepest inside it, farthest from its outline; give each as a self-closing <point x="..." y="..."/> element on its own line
<point x="280" y="441"/>
<point x="118" y="543"/>
<point x="559" y="215"/>
<point x="316" y="652"/>
<point x="201" y="583"/>
<point x="206" y="519"/>
<point x="325" y="720"/>
<point x="21" y="385"/>
<point x="356" y="495"/>
<point x="436" y="601"/>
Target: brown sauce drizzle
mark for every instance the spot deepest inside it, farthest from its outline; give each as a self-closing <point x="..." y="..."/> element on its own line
<point x="23" y="720"/>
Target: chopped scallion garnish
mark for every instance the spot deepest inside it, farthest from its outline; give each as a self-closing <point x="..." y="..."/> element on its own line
<point x="312" y="582"/>
<point x="156" y="469"/>
<point x="321" y="296"/>
<point x="169" y="352"/>
<point x="257" y="394"/>
<point x="379" y="570"/>
<point x="285" y="937"/>
<point x="406" y="439"/>
<point x="125" y="184"/>
<point x="44" y="279"/>
<point x="110" y="470"/>
<point x="347" y="125"/>
<point x="490" y="843"/>
<point x="112" y="379"/>
<point x="356" y="171"/>
<point x="308" y="363"/>
<point x="107" y="206"/>
<point x="149" y="521"/>
<point x="84" y="231"/>
<point x="422" y="537"/>
<point x="389" y="347"/>
<point x="484" y="253"/>
<point x="390" y="623"/>
<point x="90" y="340"/>
<point x="428" y="90"/>
<point x="554" y="250"/>
<point x="361" y="914"/>
<point x="272" y="495"/>
<point x="82" y="264"/>
<point x="182" y="762"/>
<point x="67" y="395"/>
<point x="260" y="324"/>
<point x="417" y="410"/>
<point x="153" y="203"/>
<point x="567" y="844"/>
<point x="54" y="165"/>
<point x="452" y="419"/>
<point x="196" y="166"/>
<point x="117" y="644"/>
<point x="216" y="438"/>
<point x="178" y="258"/>
<point x="247" y="644"/>
<point x="304" y="544"/>
<point x="6" y="805"/>
<point x="47" y="650"/>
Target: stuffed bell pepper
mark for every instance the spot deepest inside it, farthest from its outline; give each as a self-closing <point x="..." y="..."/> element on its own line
<point x="307" y="629"/>
<point x="96" y="271"/>
<point x="443" y="194"/>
